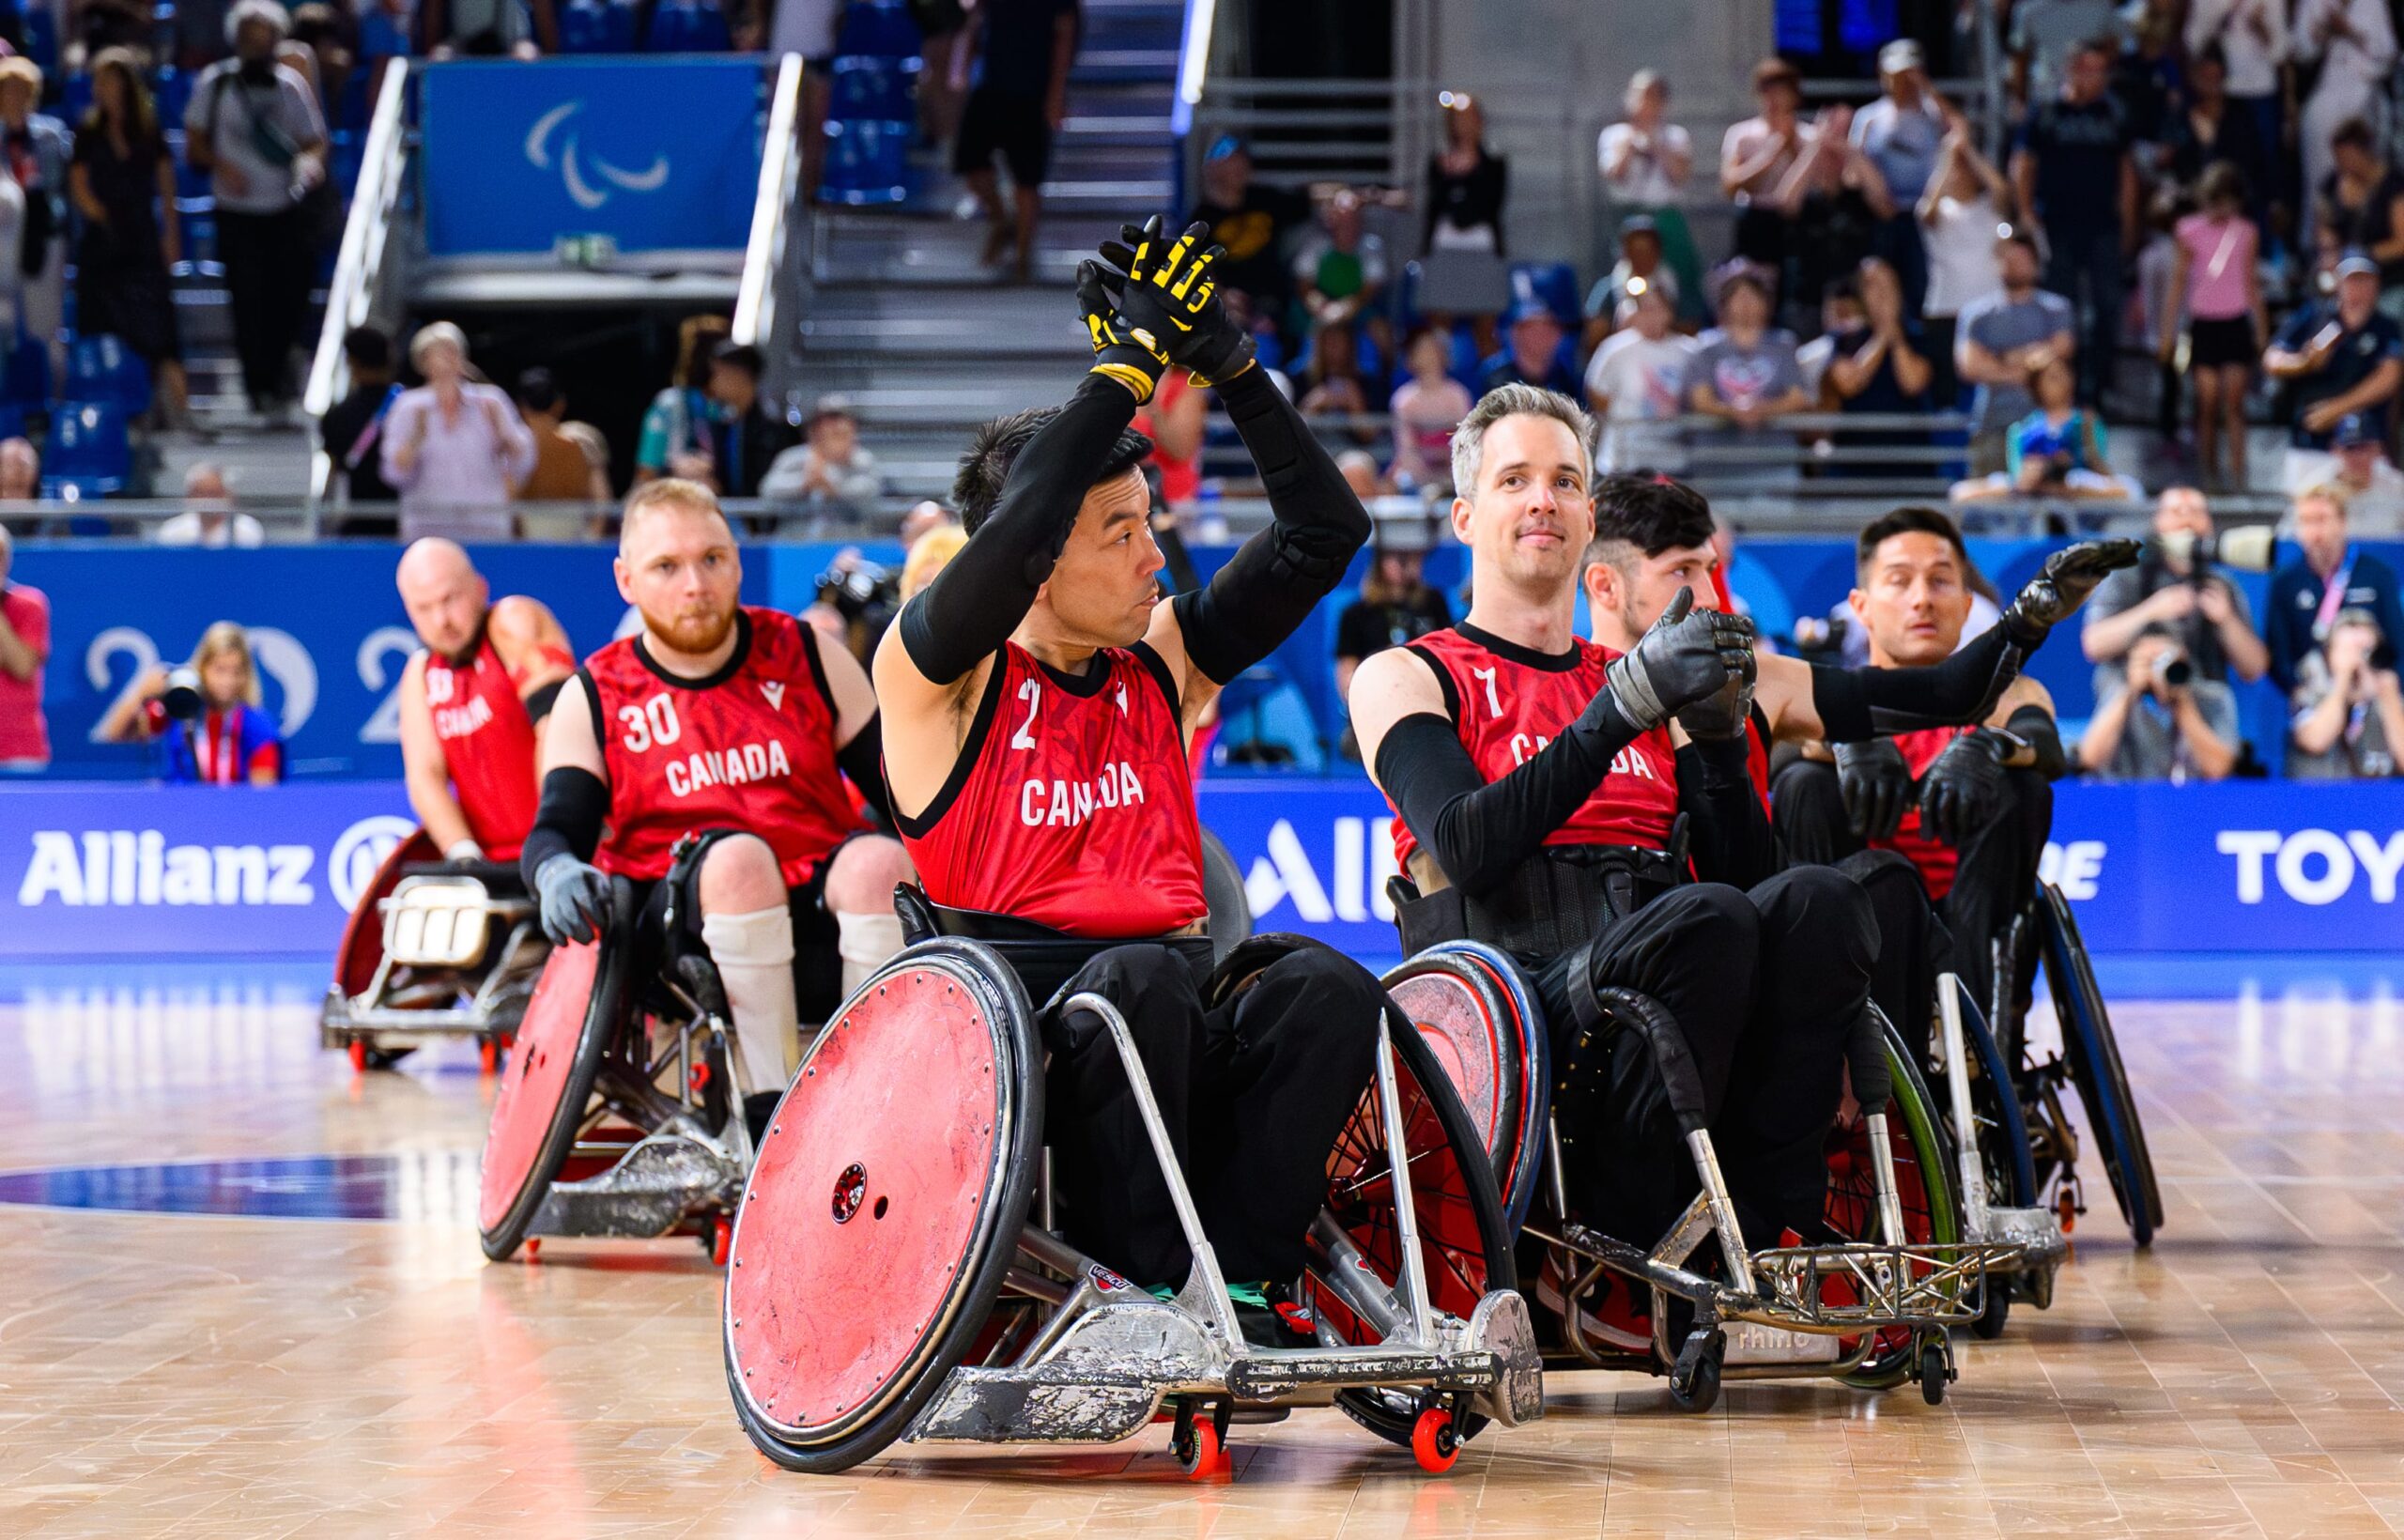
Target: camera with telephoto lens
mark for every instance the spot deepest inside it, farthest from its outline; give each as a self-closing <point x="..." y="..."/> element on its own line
<point x="861" y="589"/>
<point x="2248" y="548"/>
<point x="181" y="698"/>
<point x="2172" y="671"/>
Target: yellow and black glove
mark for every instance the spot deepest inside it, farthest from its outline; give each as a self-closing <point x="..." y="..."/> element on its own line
<point x="1168" y="289"/>
<point x="1127" y="354"/>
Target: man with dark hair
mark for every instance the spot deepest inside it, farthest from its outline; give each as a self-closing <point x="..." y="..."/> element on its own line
<point x="2073" y="172"/>
<point x="1999" y="338"/>
<point x="746" y="437"/>
<point x="1039" y="696"/>
<point x="1654" y="536"/>
<point x="352" y="429"/>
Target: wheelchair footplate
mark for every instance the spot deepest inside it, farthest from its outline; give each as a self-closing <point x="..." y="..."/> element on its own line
<point x="675" y="1176"/>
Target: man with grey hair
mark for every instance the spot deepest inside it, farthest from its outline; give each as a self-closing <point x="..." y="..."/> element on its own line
<point x="252" y="125"/>
<point x="1549" y="792"/>
<point x="25" y="647"/>
<point x="209" y="517"/>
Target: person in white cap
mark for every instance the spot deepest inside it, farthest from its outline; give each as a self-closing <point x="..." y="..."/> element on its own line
<point x="1901" y="133"/>
<point x="2343" y="357"/>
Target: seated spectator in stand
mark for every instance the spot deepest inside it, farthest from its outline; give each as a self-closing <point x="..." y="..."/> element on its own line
<point x="1531" y="352"/>
<point x="1395" y="606"/>
<point x="571" y="462"/>
<point x="1332" y="383"/>
<point x="2205" y="612"/>
<point x="353" y="428"/>
<point x="2001" y="338"/>
<point x="2361" y="207"/>
<point x="2340" y="358"/>
<point x="2330" y="575"/>
<point x="676" y="425"/>
<point x="2346" y="719"/>
<point x="2161" y="719"/>
<point x="1840" y="314"/>
<point x="2357" y="466"/>
<point x="208" y="519"/>
<point x="1359" y="469"/>
<point x="2215" y="272"/>
<point x="1341" y="270"/>
<point x="1745" y="374"/>
<point x="2057" y="451"/>
<point x="453" y="447"/>
<point x="121" y="175"/>
<point x="829" y="465"/>
<point x="1959" y="214"/>
<point x="25" y="647"/>
<point x="1877" y="368"/>
<point x="20" y="471"/>
<point x="1255" y="223"/>
<point x="1428" y="407"/>
<point x="1646" y="161"/>
<point x="746" y="433"/>
<point x="209" y="727"/>
<point x="1640" y="266"/>
<point x="1637" y="385"/>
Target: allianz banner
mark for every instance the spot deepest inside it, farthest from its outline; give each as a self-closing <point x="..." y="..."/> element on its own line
<point x="114" y="869"/>
<point x="656" y="154"/>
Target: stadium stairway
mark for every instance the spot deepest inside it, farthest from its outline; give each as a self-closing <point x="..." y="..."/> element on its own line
<point x="925" y="340"/>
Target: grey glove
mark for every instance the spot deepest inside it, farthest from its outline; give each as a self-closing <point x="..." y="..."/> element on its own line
<point x="1877" y="785"/>
<point x="1725" y="713"/>
<point x="574" y="899"/>
<point x="1686" y="656"/>
<point x="2068" y="577"/>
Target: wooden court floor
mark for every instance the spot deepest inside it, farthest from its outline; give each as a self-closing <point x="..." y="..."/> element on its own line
<point x="217" y="1375"/>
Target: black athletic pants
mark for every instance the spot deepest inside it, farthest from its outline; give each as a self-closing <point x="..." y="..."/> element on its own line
<point x="1252" y="1092"/>
<point x="1766" y="986"/>
<point x="1997" y="873"/>
<point x="270" y="268"/>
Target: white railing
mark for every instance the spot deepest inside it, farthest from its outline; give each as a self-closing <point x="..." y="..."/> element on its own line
<point x="772" y="202"/>
<point x="366" y="236"/>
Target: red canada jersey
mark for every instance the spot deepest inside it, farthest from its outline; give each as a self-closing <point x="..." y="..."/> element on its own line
<point x="750" y="747"/>
<point x="1072" y="803"/>
<point x="1938" y="862"/>
<point x="489" y="744"/>
<point x="1508" y="701"/>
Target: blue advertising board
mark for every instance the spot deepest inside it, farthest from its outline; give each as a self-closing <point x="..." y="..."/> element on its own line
<point x="658" y="154"/>
<point x="111" y="869"/>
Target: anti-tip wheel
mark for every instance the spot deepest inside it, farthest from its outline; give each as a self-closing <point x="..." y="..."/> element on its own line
<point x="1199" y="1453"/>
<point x="1935" y="1368"/>
<point x="1694" y="1378"/>
<point x="1991" y="1320"/>
<point x="1435" y="1444"/>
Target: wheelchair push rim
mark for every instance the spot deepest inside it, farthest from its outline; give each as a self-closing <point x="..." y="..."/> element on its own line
<point x="882" y="1212"/>
<point x="542" y="1096"/>
<point x="1472" y="1014"/>
<point x="2093" y="1054"/>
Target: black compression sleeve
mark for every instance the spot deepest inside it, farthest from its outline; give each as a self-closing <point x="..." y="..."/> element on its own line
<point x="863" y="760"/>
<point x="1269" y="586"/>
<point x="540" y="699"/>
<point x="1858" y="704"/>
<point x="567" y="823"/>
<point x="1728" y="831"/>
<point x="2035" y="724"/>
<point x="977" y="600"/>
<point x="1477" y="831"/>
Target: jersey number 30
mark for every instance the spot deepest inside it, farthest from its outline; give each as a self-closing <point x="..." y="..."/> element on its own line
<point x="654" y="722"/>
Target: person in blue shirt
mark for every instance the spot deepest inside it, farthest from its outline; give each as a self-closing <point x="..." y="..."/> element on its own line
<point x="1531" y="352"/>
<point x="2059" y="449"/>
<point x="213" y="734"/>
<point x="2332" y="576"/>
<point x="2342" y="356"/>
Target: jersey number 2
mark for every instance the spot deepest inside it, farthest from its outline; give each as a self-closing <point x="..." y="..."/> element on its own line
<point x="654" y="722"/>
<point x="1032" y="693"/>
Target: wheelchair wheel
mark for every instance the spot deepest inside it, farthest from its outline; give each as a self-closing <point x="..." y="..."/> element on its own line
<point x="1223" y="891"/>
<point x="2001" y="1122"/>
<point x="1923" y="1183"/>
<point x="884" y="1207"/>
<point x="543" y="1095"/>
<point x="1464" y="1241"/>
<point x="1474" y="1015"/>
<point x="2094" y="1059"/>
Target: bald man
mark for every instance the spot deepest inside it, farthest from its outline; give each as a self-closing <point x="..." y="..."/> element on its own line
<point x="474" y="702"/>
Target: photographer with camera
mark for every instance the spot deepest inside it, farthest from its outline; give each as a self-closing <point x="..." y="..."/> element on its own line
<point x="856" y="599"/>
<point x="2178" y="584"/>
<point x="829" y="465"/>
<point x="2162" y="719"/>
<point x="2349" y="711"/>
<point x="203" y="715"/>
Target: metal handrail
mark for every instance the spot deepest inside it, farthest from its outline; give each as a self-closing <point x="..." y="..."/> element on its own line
<point x="351" y="294"/>
<point x="763" y="254"/>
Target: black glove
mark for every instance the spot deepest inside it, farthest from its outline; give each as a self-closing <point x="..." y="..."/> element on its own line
<point x="1965" y="788"/>
<point x="574" y="899"/>
<point x="1877" y="785"/>
<point x="1169" y="290"/>
<point x="1131" y="357"/>
<point x="1687" y="655"/>
<point x="2068" y="577"/>
<point x="1725" y="713"/>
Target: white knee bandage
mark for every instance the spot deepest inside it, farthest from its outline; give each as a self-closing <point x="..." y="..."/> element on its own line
<point x="753" y="954"/>
<point x="865" y="941"/>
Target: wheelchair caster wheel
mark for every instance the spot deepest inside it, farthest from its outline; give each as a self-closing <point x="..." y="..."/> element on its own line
<point x="1434" y="1442"/>
<point x="487" y="1056"/>
<point x="1936" y="1369"/>
<point x="1694" y="1378"/>
<point x="358" y="1055"/>
<point x="1200" y="1442"/>
<point x="720" y="1240"/>
<point x="1991" y="1320"/>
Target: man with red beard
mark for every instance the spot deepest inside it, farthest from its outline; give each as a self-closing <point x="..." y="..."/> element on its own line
<point x="733" y="726"/>
<point x="474" y="704"/>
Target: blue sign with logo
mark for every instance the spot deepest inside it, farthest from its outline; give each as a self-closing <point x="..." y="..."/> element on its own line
<point x="656" y="154"/>
<point x="2247" y="867"/>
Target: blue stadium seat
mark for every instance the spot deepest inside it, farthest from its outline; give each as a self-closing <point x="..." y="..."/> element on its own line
<point x="870" y="88"/>
<point x="75" y="97"/>
<point x="41" y="37"/>
<point x="87" y="455"/>
<point x="867" y="161"/>
<point x="380" y="37"/>
<point x="688" y="27"/>
<point x="103" y="369"/>
<point x="26" y="381"/>
<point x="173" y="93"/>
<point x="598" y="27"/>
<point x="878" y="28"/>
<point x="12" y="420"/>
<point x="1554" y="284"/>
